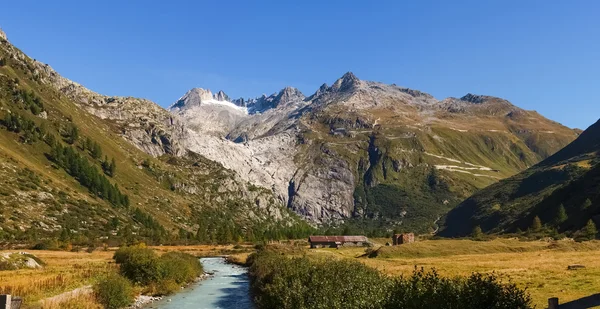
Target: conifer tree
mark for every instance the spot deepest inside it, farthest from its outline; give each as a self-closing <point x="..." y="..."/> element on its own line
<point x="477" y="232"/>
<point x="536" y="226"/>
<point x="561" y="215"/>
<point x="586" y="204"/>
<point x="590" y="231"/>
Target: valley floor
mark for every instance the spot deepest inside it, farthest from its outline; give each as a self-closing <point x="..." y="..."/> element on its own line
<point x="64" y="282"/>
<point x="539" y="266"/>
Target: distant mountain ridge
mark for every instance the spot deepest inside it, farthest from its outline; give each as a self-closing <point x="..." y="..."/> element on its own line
<point x="345" y="150"/>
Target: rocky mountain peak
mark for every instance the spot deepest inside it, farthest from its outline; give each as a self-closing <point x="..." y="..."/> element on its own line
<point x="288" y="95"/>
<point x="221" y="96"/>
<point x="3" y="35"/>
<point x="193" y="97"/>
<point x="347" y="82"/>
<point x="474" y="98"/>
<point x="480" y="99"/>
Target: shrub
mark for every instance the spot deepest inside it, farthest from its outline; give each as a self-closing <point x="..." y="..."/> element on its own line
<point x="166" y="287"/>
<point x="138" y="264"/>
<point x="114" y="292"/>
<point x="179" y="267"/>
<point x="49" y="244"/>
<point x="281" y="282"/>
<point x="142" y="265"/>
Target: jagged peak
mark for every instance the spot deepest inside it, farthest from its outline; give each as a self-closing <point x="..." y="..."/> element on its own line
<point x="290" y="91"/>
<point x="288" y="95"/>
<point x="347" y="82"/>
<point x="193" y="97"/>
<point x="221" y="96"/>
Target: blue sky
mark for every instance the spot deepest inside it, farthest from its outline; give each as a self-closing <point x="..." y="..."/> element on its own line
<point x="540" y="55"/>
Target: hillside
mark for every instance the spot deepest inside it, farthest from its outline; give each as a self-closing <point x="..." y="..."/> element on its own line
<point x="81" y="167"/>
<point x="570" y="178"/>
<point x="368" y="153"/>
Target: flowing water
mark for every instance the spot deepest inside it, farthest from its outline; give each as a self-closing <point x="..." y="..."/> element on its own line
<point x="229" y="288"/>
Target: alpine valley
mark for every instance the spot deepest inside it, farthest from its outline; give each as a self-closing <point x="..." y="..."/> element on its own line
<point x="76" y="164"/>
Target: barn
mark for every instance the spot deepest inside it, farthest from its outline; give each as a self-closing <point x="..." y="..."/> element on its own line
<point x="337" y="241"/>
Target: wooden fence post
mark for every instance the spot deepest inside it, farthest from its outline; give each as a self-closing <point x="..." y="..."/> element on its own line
<point x="5" y="302"/>
<point x="553" y="303"/>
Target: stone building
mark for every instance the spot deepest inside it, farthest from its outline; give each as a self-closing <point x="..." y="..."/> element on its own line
<point x="400" y="239"/>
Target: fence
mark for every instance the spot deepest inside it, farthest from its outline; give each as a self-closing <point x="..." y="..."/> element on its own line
<point x="8" y="302"/>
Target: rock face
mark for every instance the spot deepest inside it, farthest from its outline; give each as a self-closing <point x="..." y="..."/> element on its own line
<point x="366" y="149"/>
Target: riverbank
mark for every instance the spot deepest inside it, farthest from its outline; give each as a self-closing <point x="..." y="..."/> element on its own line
<point x="65" y="272"/>
<point x="227" y="288"/>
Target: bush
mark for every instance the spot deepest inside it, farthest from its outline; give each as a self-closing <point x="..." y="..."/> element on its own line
<point x="142" y="265"/>
<point x="179" y="267"/>
<point x="166" y="287"/>
<point x="50" y="244"/>
<point x="281" y="282"/>
<point x="138" y="264"/>
<point x="114" y="292"/>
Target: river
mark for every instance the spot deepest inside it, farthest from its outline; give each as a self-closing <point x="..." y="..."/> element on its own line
<point x="229" y="288"/>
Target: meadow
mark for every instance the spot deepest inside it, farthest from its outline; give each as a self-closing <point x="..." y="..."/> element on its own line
<point x="539" y="266"/>
<point x="68" y="271"/>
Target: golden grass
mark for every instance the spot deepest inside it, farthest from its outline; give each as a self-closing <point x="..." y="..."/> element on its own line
<point x="81" y="301"/>
<point x="64" y="271"/>
<point x="541" y="267"/>
<point x="206" y="250"/>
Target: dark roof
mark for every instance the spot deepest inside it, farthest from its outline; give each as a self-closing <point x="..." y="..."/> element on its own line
<point x="338" y="239"/>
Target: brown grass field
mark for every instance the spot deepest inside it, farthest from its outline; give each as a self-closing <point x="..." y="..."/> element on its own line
<point x="66" y="271"/>
<point x="539" y="266"/>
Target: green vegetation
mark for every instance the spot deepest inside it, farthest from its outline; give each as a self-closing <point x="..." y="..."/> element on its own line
<point x="590" y="231"/>
<point x="143" y="266"/>
<point x="562" y="191"/>
<point x="302" y="282"/>
<point x="561" y="215"/>
<point x="114" y="292"/>
<point x="87" y="174"/>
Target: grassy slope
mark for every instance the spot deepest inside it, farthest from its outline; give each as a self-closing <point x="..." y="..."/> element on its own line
<point x="569" y="177"/>
<point x="406" y="148"/>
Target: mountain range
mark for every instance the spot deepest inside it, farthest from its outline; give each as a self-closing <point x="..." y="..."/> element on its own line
<point x="356" y="151"/>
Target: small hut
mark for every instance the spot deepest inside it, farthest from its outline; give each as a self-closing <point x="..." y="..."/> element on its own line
<point x="401" y="239"/>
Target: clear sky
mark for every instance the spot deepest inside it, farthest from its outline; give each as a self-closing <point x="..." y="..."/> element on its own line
<point x="541" y="55"/>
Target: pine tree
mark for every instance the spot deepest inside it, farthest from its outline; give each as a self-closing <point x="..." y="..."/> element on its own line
<point x="590" y="230"/>
<point x="96" y="151"/>
<point x="536" y="226"/>
<point x="477" y="232"/>
<point x="112" y="167"/>
<point x="561" y="215"/>
<point x="586" y="204"/>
